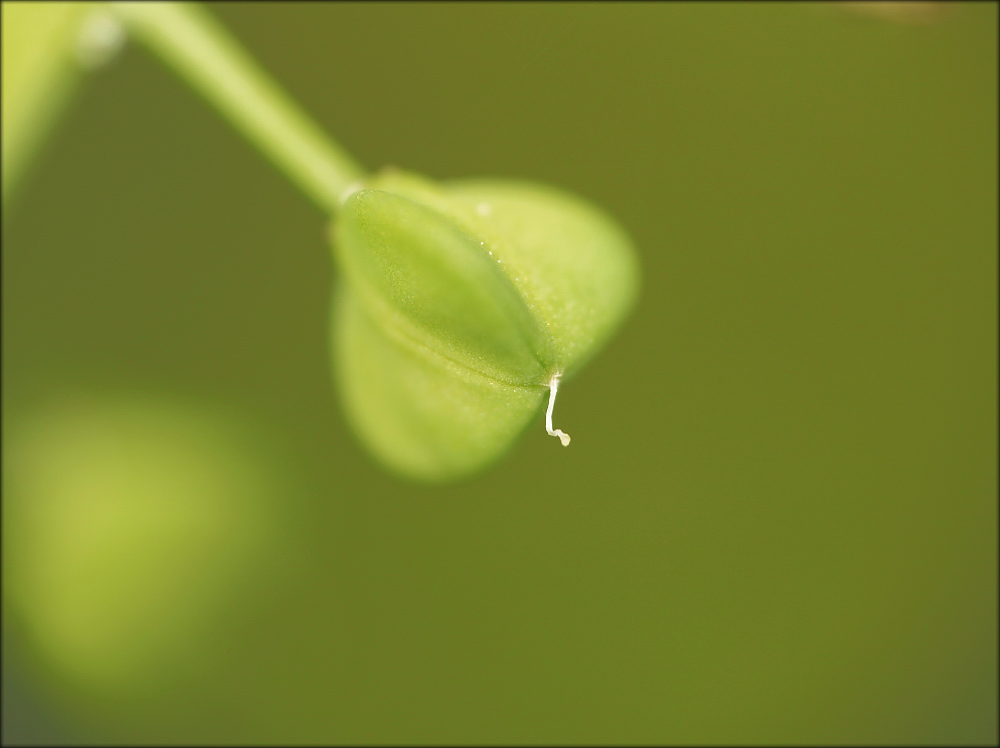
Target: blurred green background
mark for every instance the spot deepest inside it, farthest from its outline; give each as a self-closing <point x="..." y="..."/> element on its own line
<point x="777" y="522"/>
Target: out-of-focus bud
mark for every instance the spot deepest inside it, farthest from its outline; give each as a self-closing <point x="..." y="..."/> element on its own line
<point x="461" y="307"/>
<point x="129" y="526"/>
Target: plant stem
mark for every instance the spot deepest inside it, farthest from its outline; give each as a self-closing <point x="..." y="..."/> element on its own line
<point x="203" y="52"/>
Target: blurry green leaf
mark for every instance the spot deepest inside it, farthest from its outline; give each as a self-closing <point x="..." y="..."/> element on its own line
<point x="40" y="68"/>
<point x="460" y="304"/>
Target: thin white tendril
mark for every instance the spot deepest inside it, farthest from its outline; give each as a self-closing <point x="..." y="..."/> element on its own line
<point x="553" y="388"/>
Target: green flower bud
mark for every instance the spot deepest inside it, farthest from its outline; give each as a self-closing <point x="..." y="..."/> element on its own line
<point x="462" y="306"/>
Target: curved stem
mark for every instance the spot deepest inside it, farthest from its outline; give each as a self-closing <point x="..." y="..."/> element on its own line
<point x="200" y="49"/>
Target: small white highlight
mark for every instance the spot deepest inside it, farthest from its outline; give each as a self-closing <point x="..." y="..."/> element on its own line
<point x="351" y="189"/>
<point x="553" y="388"/>
<point x="101" y="37"/>
<point x="484" y="209"/>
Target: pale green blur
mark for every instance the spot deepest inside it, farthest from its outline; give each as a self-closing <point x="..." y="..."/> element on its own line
<point x="40" y="69"/>
<point x="126" y="524"/>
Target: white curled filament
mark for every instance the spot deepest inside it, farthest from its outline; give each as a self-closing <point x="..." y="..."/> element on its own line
<point x="553" y="388"/>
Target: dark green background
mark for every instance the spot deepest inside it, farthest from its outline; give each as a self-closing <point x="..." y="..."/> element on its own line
<point x="777" y="519"/>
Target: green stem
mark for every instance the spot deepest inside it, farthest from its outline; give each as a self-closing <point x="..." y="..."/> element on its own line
<point x="200" y="49"/>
